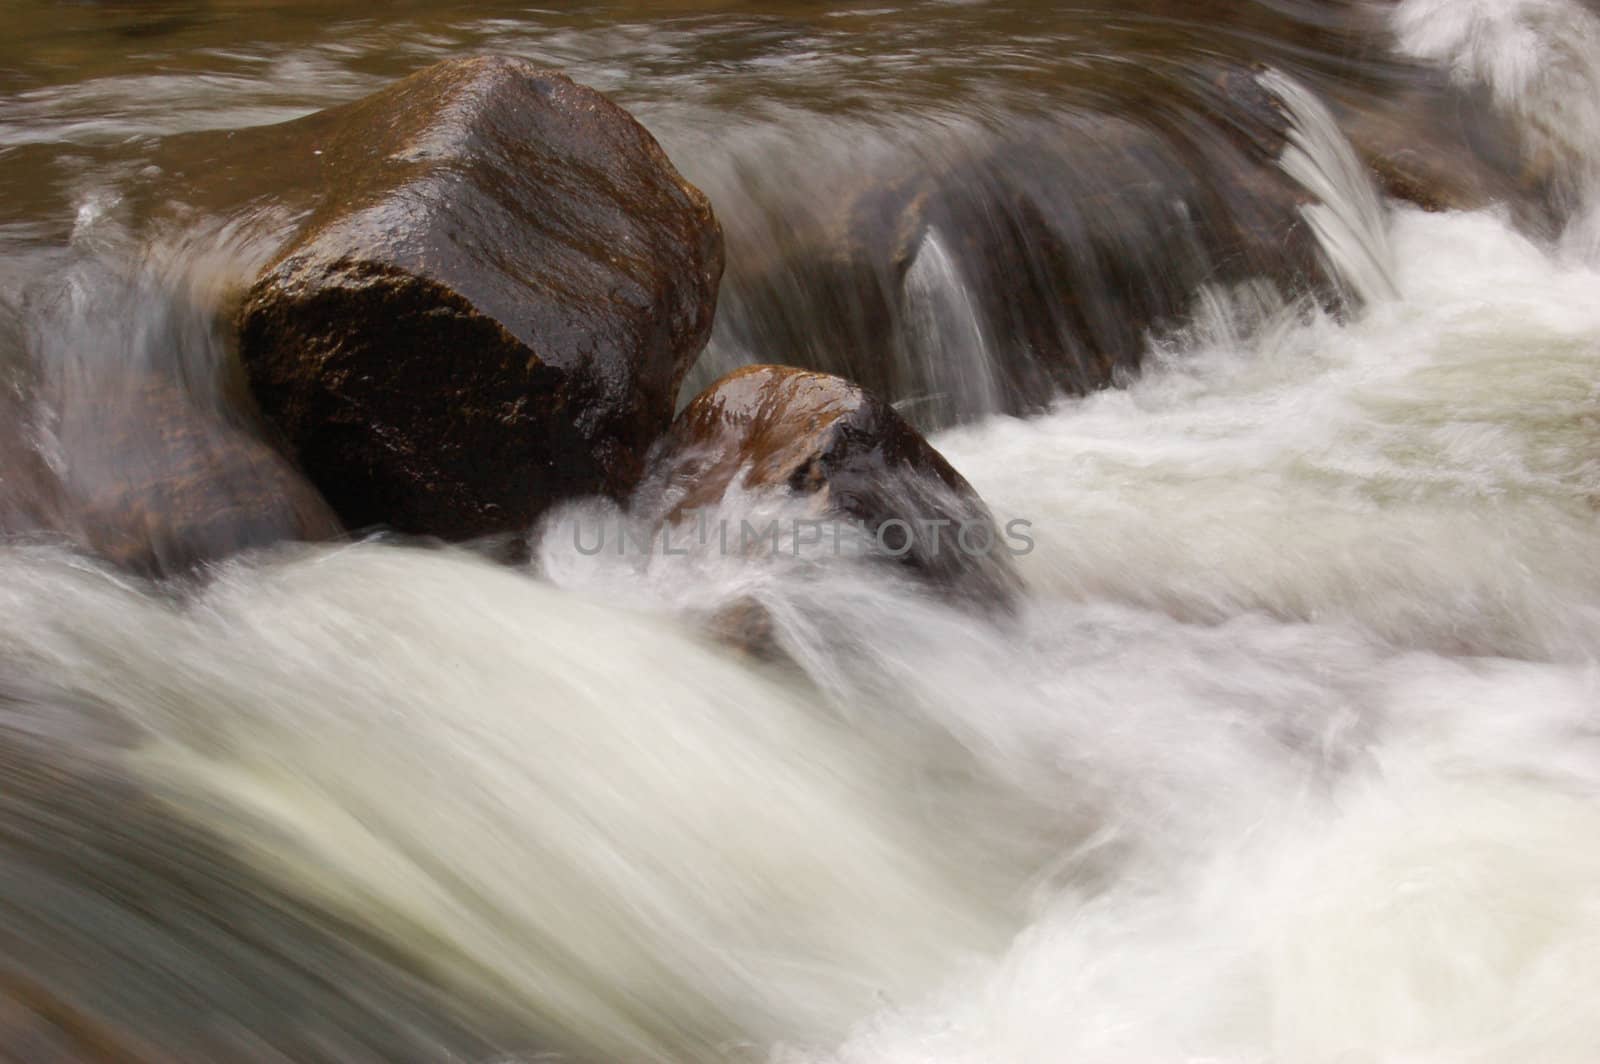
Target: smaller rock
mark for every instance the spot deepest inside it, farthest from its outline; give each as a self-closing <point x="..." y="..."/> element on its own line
<point x="1442" y="148"/>
<point x="157" y="485"/>
<point x="850" y="456"/>
<point x="746" y="626"/>
<point x="30" y="495"/>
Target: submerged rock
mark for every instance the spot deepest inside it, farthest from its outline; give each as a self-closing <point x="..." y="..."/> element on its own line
<point x="850" y="457"/>
<point x="491" y="306"/>
<point x="147" y="479"/>
<point x="158" y="485"/>
<point x="30" y="495"/>
<point x="1442" y="147"/>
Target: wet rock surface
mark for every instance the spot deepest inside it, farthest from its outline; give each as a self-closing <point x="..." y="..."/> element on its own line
<point x="1441" y="147"/>
<point x="850" y="457"/>
<point x="30" y="495"/>
<point x="151" y="481"/>
<point x="160" y="486"/>
<point x="490" y="306"/>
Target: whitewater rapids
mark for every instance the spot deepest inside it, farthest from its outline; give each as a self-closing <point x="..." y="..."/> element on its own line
<point x="1292" y="754"/>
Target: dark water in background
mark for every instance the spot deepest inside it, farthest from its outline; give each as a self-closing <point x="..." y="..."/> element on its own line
<point x="1030" y="149"/>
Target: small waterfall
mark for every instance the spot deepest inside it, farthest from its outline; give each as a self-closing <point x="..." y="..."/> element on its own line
<point x="1011" y="262"/>
<point x="945" y="336"/>
<point x="1347" y="217"/>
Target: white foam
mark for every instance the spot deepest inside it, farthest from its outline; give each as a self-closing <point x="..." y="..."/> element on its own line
<point x="1540" y="63"/>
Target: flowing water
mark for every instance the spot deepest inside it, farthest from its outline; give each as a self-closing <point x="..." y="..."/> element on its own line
<point x="1290" y="752"/>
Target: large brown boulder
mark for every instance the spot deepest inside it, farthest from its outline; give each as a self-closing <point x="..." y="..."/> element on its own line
<point x="847" y="456"/>
<point x="491" y="305"/>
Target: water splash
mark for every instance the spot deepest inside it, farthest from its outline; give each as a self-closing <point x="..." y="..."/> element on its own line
<point x="945" y="336"/>
<point x="1347" y="217"/>
<point x="1539" y="61"/>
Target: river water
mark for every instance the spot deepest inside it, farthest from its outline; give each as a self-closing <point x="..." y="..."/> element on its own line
<point x="1289" y="754"/>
